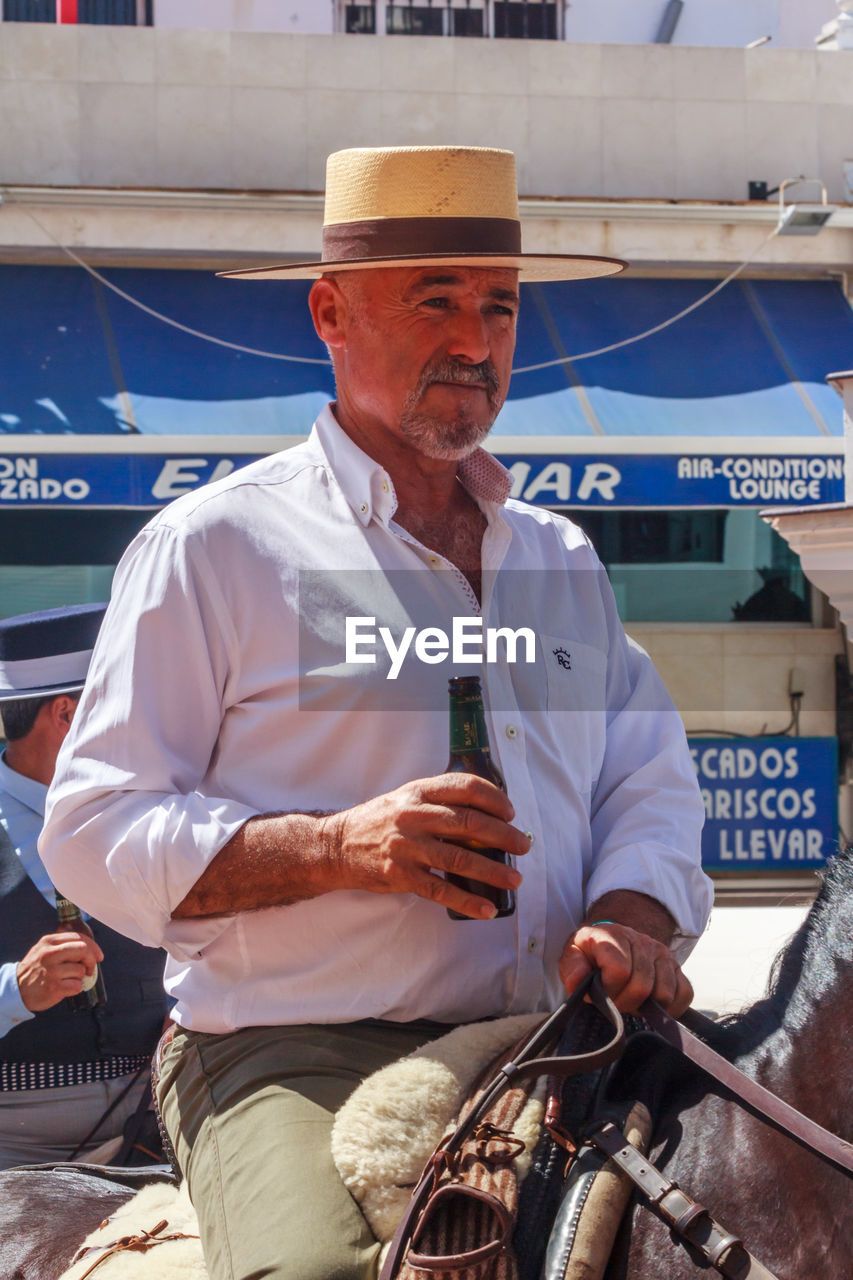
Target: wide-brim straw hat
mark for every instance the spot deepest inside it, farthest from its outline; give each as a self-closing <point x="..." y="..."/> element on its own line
<point x="47" y="653"/>
<point x="417" y="206"/>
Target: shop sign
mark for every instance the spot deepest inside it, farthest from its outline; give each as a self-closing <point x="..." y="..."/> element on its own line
<point x="142" y="479"/>
<point x="108" y="479"/>
<point x="670" y="480"/>
<point x="770" y="803"/>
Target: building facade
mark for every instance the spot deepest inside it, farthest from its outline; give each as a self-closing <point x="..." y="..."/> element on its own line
<point x="155" y="156"/>
<point x="785" y="23"/>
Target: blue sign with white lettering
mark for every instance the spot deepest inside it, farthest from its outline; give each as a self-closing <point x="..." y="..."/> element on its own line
<point x="673" y="480"/>
<point x="770" y="803"/>
<point x="108" y="479"/>
<point x="141" y="479"/>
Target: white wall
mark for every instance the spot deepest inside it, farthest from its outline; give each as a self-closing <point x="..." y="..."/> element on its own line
<point x="124" y="106"/>
<point x="702" y="22"/>
<point x="790" y="23"/>
<point x="735" y="678"/>
<point x="305" y="16"/>
<point x="797" y="25"/>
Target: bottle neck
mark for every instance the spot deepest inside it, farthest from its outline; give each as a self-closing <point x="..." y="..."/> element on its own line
<point x="66" y="910"/>
<point x="467" y="724"/>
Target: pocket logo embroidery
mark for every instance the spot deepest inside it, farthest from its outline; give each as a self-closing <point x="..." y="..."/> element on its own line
<point x="564" y="659"/>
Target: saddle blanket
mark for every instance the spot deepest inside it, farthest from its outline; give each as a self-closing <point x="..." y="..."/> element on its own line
<point x="381" y="1140"/>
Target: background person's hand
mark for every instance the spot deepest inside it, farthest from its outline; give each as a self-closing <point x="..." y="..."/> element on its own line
<point x="400" y="842"/>
<point x="54" y="967"/>
<point x="633" y="967"/>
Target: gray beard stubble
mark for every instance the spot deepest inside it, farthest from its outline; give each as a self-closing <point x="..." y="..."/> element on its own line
<point x="450" y="441"/>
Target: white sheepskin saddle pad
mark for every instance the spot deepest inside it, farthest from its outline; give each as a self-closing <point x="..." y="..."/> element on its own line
<point x="175" y="1259"/>
<point x="388" y="1128"/>
<point x="381" y="1139"/>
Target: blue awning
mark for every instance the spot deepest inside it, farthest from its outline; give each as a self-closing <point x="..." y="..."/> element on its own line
<point x="751" y="362"/>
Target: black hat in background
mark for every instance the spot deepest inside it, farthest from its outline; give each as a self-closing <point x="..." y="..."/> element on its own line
<point x="47" y="652"/>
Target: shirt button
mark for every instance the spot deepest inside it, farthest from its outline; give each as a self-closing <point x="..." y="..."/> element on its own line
<point x="434" y="561"/>
<point x="385" y="486"/>
<point x="364" y="508"/>
<point x="530" y="836"/>
<point x="531" y="944"/>
<point x="511" y="731"/>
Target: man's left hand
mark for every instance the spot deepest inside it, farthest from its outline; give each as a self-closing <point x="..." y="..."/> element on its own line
<point x="634" y="967"/>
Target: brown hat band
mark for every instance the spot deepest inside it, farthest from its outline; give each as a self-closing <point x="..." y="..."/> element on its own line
<point x="420" y="237"/>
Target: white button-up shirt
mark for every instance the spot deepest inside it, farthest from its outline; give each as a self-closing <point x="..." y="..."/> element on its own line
<point x="221" y="688"/>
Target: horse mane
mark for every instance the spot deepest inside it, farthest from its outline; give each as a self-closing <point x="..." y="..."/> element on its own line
<point x="807" y="969"/>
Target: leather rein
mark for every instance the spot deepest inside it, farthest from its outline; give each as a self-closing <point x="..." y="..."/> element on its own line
<point x="755" y="1097"/>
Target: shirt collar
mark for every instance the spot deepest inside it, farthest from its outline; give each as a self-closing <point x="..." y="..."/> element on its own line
<point x="484" y="477"/>
<point x="368" y="487"/>
<point x="29" y="792"/>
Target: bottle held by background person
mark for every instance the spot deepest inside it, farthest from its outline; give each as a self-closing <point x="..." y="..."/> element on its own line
<point x="470" y="753"/>
<point x="93" y="992"/>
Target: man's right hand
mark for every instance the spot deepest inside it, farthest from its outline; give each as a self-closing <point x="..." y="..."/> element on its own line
<point x="400" y="841"/>
<point x="55" y="968"/>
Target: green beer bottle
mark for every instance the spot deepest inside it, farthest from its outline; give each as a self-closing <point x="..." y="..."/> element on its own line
<point x="93" y="992"/>
<point x="469" y="753"/>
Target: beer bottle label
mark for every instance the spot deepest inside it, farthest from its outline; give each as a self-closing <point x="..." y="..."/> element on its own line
<point x="68" y="913"/>
<point x="467" y="726"/>
<point x="469" y="753"/>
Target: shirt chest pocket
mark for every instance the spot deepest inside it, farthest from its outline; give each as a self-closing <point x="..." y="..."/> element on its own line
<point x="577" y="704"/>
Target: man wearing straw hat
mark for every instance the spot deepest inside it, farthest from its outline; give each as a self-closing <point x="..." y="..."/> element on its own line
<point x="68" y="1080"/>
<point x="274" y="811"/>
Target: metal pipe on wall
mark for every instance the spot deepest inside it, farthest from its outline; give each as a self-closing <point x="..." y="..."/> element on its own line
<point x="669" y="21"/>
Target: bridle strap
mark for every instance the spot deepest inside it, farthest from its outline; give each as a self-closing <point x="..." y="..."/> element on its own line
<point x="692" y="1221"/>
<point x="780" y="1114"/>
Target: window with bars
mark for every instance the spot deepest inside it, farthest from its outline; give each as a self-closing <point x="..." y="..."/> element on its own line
<point x="29" y="10"/>
<point x="414" y="20"/>
<point x="467" y="22"/>
<point x="523" y="19"/>
<point x="360" y="19"/>
<point x="526" y="19"/>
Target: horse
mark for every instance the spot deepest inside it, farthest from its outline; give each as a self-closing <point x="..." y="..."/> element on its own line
<point x="790" y="1208"/>
<point x="46" y="1214"/>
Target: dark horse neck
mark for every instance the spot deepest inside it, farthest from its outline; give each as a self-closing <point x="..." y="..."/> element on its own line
<point x="796" y="1040"/>
<point x="789" y="1206"/>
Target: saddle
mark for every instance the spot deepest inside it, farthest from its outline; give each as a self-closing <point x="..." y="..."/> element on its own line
<point x="488" y="1207"/>
<point x="507" y="1194"/>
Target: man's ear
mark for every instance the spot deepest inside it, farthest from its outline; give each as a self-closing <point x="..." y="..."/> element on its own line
<point x="329" y="312"/>
<point x="61" y="711"/>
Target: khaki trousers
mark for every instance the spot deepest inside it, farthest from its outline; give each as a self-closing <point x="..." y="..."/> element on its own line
<point x="250" y="1116"/>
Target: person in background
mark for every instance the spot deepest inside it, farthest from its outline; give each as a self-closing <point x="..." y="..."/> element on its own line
<point x="68" y="1080"/>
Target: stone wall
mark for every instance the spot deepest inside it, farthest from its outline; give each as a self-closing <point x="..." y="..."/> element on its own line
<point x="735" y="677"/>
<point x="117" y="106"/>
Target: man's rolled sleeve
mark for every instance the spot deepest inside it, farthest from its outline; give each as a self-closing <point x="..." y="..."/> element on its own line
<point x="668" y="876"/>
<point x="127" y="831"/>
